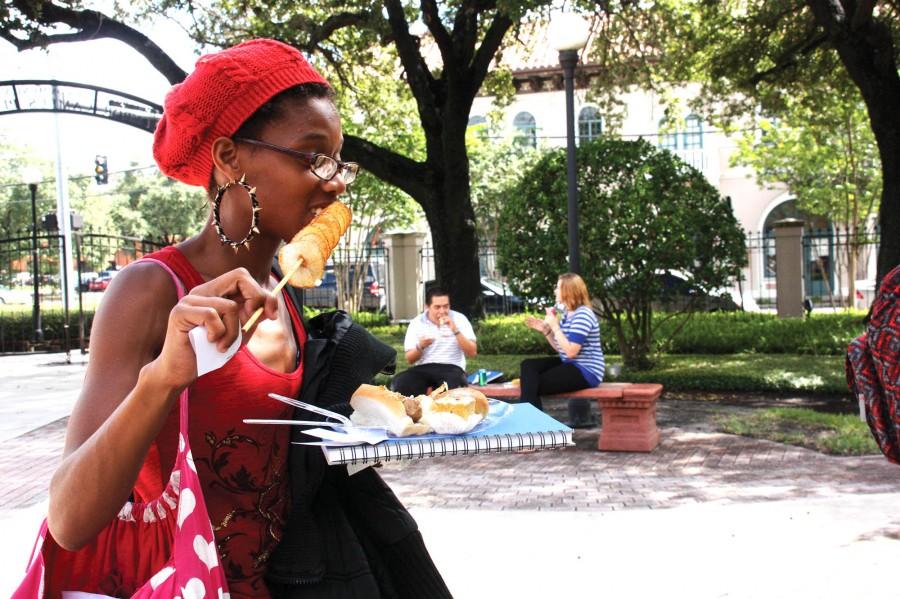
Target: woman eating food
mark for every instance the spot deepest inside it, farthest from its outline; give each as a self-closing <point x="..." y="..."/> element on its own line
<point x="256" y="126"/>
<point x="575" y="337"/>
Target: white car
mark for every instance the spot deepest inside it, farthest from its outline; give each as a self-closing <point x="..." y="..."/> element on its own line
<point x="14" y="296"/>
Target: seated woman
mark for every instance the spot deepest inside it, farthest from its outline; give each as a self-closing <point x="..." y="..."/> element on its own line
<point x="576" y="338"/>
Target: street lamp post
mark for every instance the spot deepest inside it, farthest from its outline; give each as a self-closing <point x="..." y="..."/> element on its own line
<point x="32" y="178"/>
<point x="568" y="35"/>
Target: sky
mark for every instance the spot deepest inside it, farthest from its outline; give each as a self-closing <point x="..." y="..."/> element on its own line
<point x="104" y="62"/>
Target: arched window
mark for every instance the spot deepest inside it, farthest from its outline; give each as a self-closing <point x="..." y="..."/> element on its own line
<point x="590" y="125"/>
<point x="693" y="133"/>
<point x="526" y="129"/>
<point x="668" y="140"/>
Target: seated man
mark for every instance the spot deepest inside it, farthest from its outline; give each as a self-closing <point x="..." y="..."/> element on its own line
<point x="437" y="343"/>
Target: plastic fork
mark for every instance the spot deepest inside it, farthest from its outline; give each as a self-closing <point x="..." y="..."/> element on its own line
<point x="311" y="408"/>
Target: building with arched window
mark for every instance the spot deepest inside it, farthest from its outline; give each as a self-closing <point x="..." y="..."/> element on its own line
<point x="538" y="81"/>
<point x="526" y="129"/>
<point x="590" y="124"/>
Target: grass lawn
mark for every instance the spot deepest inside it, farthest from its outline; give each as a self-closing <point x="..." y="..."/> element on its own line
<point x="728" y="372"/>
<point x="837" y="434"/>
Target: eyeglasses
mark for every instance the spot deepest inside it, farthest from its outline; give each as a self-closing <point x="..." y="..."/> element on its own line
<point x="323" y="166"/>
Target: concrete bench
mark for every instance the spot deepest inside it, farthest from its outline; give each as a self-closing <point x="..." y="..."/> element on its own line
<point x="627" y="410"/>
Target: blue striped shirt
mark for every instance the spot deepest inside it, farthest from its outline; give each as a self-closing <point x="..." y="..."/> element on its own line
<point x="581" y="327"/>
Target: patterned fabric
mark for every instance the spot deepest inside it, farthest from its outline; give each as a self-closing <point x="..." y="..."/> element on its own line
<point x="176" y="522"/>
<point x="582" y="327"/>
<point x="242" y="467"/>
<point x="873" y="367"/>
<point x="445" y="349"/>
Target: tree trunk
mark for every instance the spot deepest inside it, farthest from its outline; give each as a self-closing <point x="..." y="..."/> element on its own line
<point x="452" y="222"/>
<point x="866" y="49"/>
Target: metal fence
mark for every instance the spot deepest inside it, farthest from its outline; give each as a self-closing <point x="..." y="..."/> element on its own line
<point x="49" y="323"/>
<point x="497" y="297"/>
<point x="340" y="274"/>
<point x="829" y="258"/>
<point x="839" y="268"/>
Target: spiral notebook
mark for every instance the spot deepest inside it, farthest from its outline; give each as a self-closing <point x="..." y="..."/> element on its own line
<point x="509" y="427"/>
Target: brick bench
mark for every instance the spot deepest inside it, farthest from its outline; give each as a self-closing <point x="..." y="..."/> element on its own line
<point x="627" y="410"/>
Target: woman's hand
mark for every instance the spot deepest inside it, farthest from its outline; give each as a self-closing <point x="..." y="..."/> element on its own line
<point x="221" y="305"/>
<point x="550" y="319"/>
<point x="537" y="324"/>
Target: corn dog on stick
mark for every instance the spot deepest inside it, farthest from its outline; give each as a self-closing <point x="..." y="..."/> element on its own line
<point x="303" y="259"/>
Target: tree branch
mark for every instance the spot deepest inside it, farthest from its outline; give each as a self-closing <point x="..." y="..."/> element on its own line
<point x="92" y="24"/>
<point x="417" y="74"/>
<point x="433" y="20"/>
<point x="487" y="50"/>
<point x="319" y="33"/>
<point x="412" y="177"/>
<point x="789" y="57"/>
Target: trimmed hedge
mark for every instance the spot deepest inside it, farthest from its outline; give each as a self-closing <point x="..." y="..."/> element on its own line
<point x="16" y="330"/>
<point x="738" y="332"/>
<point x="705" y="333"/>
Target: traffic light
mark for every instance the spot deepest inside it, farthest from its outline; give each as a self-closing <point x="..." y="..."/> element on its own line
<point x="101" y="173"/>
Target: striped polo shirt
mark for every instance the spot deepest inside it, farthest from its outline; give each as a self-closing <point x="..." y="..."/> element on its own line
<point x="445" y="349"/>
<point x="581" y="327"/>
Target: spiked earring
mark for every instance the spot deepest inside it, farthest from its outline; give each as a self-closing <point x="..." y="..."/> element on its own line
<point x="254" y="219"/>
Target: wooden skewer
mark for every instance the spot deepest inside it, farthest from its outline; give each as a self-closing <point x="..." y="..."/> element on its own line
<point x="276" y="291"/>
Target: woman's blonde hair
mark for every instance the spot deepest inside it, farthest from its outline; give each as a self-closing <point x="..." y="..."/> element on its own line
<point x="573" y="291"/>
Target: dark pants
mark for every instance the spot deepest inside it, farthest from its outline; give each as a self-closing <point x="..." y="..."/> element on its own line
<point x="546" y="376"/>
<point x="418" y="379"/>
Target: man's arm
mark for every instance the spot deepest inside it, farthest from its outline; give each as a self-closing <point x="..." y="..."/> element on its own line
<point x="464" y="335"/>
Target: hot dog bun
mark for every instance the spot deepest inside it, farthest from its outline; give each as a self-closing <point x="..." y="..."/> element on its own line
<point x="378" y="406"/>
<point x="455" y="411"/>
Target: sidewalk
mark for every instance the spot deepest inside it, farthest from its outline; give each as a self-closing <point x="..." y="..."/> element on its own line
<point x="704" y="515"/>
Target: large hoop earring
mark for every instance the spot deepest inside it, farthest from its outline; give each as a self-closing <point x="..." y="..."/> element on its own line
<point x="254" y="219"/>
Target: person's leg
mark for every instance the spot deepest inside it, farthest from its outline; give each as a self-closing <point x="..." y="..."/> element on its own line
<point x="530" y="379"/>
<point x="561" y="378"/>
<point x="453" y="375"/>
<point x="412" y="381"/>
<point x="567" y="377"/>
<point x="438" y="374"/>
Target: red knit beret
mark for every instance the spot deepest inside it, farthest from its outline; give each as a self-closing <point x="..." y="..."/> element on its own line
<point x="224" y="90"/>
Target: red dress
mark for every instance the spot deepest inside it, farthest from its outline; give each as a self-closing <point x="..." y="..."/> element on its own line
<point x="242" y="467"/>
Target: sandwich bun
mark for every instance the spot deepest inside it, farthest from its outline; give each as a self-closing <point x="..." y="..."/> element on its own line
<point x="455" y="411"/>
<point x="378" y="406"/>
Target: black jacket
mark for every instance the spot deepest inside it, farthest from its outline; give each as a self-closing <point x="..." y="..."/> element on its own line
<point x="347" y="537"/>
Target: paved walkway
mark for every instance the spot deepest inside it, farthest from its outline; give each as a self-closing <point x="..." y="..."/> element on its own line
<point x="705" y="515"/>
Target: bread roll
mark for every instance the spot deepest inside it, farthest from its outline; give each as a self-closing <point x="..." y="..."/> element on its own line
<point x="455" y="411"/>
<point x="378" y="406"/>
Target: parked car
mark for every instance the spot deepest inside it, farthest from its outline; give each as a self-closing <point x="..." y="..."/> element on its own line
<point x="495" y="296"/>
<point x="325" y="294"/>
<point x="86" y="278"/>
<point x="498" y="299"/>
<point x="14" y="296"/>
<point x="102" y="281"/>
<point x="678" y="292"/>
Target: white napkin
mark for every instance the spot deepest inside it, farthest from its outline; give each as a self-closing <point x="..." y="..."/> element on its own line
<point x="209" y="357"/>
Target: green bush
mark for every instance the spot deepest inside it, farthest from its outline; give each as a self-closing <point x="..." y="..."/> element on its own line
<point x="730" y="333"/>
<point x="705" y="333"/>
<point x="509" y="335"/>
<point x="16" y="329"/>
<point x="644" y="212"/>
